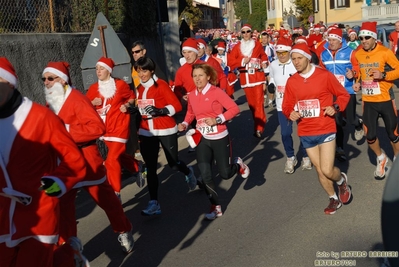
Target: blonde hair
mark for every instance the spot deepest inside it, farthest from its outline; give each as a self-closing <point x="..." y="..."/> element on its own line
<point x="209" y="71"/>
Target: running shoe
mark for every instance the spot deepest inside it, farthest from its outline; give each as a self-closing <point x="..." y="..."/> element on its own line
<point x="127" y="242"/>
<point x="359" y="132"/>
<point x="216" y="211"/>
<point x="244" y="169"/>
<point x="340" y="154"/>
<point x="380" y="169"/>
<point x="306" y="163"/>
<point x="141" y="175"/>
<point x="344" y="190"/>
<point x="190" y="179"/>
<point x="153" y="208"/>
<point x="332" y="206"/>
<point x="79" y="258"/>
<point x="290" y="165"/>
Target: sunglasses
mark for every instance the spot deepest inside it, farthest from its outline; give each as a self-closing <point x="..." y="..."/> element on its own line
<point x="50" y="79"/>
<point x="244" y="32"/>
<point x="365" y="38"/>
<point x="282" y="53"/>
<point x="137" y="51"/>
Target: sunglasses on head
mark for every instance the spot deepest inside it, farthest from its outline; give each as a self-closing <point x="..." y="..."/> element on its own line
<point x="137" y="51"/>
<point x="248" y="31"/>
<point x="365" y="38"/>
<point x="50" y="79"/>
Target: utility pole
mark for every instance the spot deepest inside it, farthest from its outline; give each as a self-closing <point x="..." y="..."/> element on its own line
<point x="250" y="6"/>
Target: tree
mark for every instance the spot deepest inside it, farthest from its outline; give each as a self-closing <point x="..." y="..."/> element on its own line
<point x="304" y="9"/>
<point x="191" y="14"/>
<point x="258" y="17"/>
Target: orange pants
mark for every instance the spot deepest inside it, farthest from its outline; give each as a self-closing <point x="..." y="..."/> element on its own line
<point x="115" y="159"/>
<point x="105" y="197"/>
<point x="30" y="252"/>
<point x="256" y="105"/>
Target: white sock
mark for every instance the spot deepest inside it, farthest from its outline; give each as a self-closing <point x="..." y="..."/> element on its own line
<point x="334" y="196"/>
<point x="341" y="180"/>
<point x="381" y="157"/>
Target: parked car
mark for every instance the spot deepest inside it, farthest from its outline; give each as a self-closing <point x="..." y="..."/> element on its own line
<point x="383" y="32"/>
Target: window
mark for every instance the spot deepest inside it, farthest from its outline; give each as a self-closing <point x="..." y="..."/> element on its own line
<point x="339" y="4"/>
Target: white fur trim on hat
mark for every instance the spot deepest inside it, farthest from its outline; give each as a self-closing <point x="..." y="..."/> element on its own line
<point x="193" y="137"/>
<point x="56" y="72"/>
<point x="281" y="47"/>
<point x="189" y="48"/>
<point x="300" y="51"/>
<point x="102" y="64"/>
<point x="8" y="76"/>
<point x="335" y="36"/>
<point x="368" y="33"/>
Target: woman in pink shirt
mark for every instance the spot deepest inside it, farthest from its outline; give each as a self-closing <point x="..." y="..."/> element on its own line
<point x="211" y="107"/>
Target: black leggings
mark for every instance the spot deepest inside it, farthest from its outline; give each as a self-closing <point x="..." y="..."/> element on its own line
<point x="219" y="151"/>
<point x="387" y="110"/>
<point x="149" y="149"/>
<point x="351" y="118"/>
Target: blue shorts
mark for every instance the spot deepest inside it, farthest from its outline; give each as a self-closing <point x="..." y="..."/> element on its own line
<point x="315" y="140"/>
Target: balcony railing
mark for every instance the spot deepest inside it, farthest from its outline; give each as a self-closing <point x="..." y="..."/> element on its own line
<point x="381" y="11"/>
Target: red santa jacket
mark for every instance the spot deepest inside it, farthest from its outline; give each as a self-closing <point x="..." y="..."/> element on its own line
<point x="159" y="95"/>
<point x="85" y="126"/>
<point x="34" y="144"/>
<point x="251" y="74"/>
<point x="116" y="122"/>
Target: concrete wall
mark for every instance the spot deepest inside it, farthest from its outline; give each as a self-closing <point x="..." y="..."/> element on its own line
<point x="30" y="53"/>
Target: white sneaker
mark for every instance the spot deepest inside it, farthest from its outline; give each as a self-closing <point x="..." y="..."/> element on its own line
<point x="359" y="133"/>
<point x="244" y="169"/>
<point x="381" y="165"/>
<point x="79" y="258"/>
<point x="306" y="163"/>
<point x="127" y="242"/>
<point x="290" y="165"/>
<point x="216" y="211"/>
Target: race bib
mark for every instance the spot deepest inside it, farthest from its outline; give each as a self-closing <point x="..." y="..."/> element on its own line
<point x="280" y="91"/>
<point x="103" y="111"/>
<point x="371" y="88"/>
<point x="142" y="103"/>
<point x="341" y="79"/>
<point x="254" y="63"/>
<point x="205" y="128"/>
<point x="309" y="108"/>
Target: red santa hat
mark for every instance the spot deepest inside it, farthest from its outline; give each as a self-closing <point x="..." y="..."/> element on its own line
<point x="351" y="31"/>
<point x="233" y="36"/>
<point x="246" y="26"/>
<point x="302" y="49"/>
<point x="107" y="63"/>
<point x="221" y="46"/>
<point x="335" y="34"/>
<point x="283" y="44"/>
<point x="190" y="44"/>
<point x="369" y="28"/>
<point x="301" y="39"/>
<point x="59" y="68"/>
<point x="7" y="71"/>
<point x="201" y="43"/>
<point x="193" y="137"/>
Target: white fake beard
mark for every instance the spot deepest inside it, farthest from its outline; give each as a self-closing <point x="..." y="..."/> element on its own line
<point x="247" y="47"/>
<point x="107" y="88"/>
<point x="55" y="97"/>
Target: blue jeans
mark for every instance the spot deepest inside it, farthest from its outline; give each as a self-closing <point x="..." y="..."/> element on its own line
<point x="286" y="136"/>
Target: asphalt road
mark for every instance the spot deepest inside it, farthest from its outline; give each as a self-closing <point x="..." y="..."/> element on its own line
<point x="270" y="219"/>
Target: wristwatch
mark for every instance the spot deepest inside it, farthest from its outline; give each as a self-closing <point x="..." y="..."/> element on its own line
<point x="218" y="120"/>
<point x="336" y="107"/>
<point x="384" y="74"/>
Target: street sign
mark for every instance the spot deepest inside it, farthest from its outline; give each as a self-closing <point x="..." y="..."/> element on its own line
<point x="104" y="42"/>
<point x="310" y="19"/>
